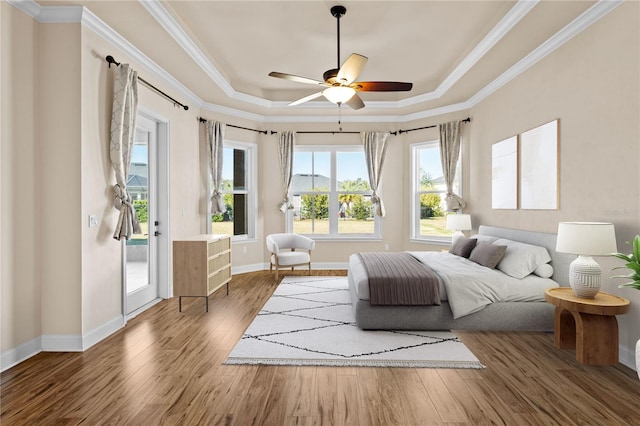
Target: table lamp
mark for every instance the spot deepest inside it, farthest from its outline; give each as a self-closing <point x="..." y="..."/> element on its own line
<point x="459" y="223"/>
<point x="586" y="239"/>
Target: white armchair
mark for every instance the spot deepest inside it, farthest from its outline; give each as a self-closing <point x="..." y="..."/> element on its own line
<point x="289" y="250"/>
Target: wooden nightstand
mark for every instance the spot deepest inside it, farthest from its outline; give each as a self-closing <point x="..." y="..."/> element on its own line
<point x="588" y="325"/>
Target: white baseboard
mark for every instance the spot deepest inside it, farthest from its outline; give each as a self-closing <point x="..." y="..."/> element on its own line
<point x="627" y="356"/>
<point x="101" y="332"/>
<point x="329" y="265"/>
<point x="61" y="343"/>
<point x="21" y="353"/>
<point x="249" y="268"/>
<point x="58" y="343"/>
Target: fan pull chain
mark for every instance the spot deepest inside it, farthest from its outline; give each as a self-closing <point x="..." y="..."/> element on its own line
<point x="340" y="116"/>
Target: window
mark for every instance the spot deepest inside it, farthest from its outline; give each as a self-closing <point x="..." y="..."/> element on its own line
<point x="238" y="192"/>
<point x="428" y="210"/>
<point x="331" y="193"/>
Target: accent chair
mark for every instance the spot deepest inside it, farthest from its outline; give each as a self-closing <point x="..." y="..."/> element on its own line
<point x="289" y="250"/>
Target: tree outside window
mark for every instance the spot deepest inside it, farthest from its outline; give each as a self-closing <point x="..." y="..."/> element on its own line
<point x="429" y="191"/>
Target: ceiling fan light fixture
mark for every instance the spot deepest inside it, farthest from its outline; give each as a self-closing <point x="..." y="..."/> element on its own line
<point x="339" y="94"/>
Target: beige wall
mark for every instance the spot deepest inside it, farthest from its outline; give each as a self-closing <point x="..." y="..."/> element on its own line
<point x="21" y="317"/>
<point x="592" y="85"/>
<point x="59" y="175"/>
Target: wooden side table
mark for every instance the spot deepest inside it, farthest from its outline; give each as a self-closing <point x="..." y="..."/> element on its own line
<point x="588" y="325"/>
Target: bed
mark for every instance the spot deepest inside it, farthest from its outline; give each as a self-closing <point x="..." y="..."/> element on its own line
<point x="503" y="302"/>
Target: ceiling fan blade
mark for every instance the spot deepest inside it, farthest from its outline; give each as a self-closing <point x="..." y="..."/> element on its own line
<point x="296" y="78"/>
<point x="355" y="102"/>
<point x="381" y="86"/>
<point x="351" y="68"/>
<point x="305" y="99"/>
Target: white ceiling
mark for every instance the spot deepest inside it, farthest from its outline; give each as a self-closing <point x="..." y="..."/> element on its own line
<point x="219" y="53"/>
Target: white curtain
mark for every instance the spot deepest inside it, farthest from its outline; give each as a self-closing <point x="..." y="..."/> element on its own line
<point x="215" y="141"/>
<point x="123" y="129"/>
<point x="286" y="144"/>
<point x="375" y="150"/>
<point x="450" y="135"/>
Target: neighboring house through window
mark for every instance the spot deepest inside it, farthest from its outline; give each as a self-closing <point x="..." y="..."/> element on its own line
<point x="331" y="193"/>
<point x="239" y="170"/>
<point x="428" y="211"/>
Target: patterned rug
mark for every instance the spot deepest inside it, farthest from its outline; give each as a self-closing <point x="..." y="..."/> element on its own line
<point x="310" y="321"/>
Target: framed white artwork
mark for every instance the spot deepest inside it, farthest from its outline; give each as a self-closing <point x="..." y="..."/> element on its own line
<point x="504" y="174"/>
<point x="539" y="167"/>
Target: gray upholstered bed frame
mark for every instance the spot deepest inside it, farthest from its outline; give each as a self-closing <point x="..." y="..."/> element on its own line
<point x="530" y="316"/>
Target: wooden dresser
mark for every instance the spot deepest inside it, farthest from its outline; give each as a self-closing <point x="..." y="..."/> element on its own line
<point x="201" y="265"/>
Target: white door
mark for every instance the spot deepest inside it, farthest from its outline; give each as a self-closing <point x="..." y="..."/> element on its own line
<point x="141" y="252"/>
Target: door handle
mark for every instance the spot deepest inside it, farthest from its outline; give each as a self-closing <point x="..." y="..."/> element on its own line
<point x="155" y="234"/>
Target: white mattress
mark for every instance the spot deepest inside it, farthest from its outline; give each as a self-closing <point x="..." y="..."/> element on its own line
<point x="467" y="286"/>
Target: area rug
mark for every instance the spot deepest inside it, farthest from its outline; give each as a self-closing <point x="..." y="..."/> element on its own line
<point x="310" y="321"/>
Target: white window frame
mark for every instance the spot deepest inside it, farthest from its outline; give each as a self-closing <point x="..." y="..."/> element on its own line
<point x="415" y="193"/>
<point x="251" y="150"/>
<point x="333" y="197"/>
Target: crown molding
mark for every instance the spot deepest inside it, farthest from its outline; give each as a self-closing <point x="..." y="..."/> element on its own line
<point x="588" y="17"/>
<point x="75" y="14"/>
<point x="515" y="14"/>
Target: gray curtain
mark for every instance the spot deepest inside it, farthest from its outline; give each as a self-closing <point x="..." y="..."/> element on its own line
<point x="375" y="150"/>
<point x="215" y="141"/>
<point x="450" y="135"/>
<point x="123" y="130"/>
<point x="286" y="143"/>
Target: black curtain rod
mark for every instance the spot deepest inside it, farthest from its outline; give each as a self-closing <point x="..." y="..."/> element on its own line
<point x="466" y="120"/>
<point x="203" y="120"/>
<point x="110" y="60"/>
<point x="332" y="132"/>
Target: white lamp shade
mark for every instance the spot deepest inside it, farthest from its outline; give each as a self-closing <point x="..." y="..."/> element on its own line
<point x="339" y="94"/>
<point x="459" y="222"/>
<point x="586" y="238"/>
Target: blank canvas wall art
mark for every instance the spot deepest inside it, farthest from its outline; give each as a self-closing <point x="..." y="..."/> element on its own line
<point x="504" y="174"/>
<point x="539" y="167"/>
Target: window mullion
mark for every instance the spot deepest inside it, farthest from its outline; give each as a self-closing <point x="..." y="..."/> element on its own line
<point x="333" y="197"/>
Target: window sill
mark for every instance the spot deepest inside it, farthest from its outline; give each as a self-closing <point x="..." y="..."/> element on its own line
<point x="430" y="241"/>
<point x="353" y="239"/>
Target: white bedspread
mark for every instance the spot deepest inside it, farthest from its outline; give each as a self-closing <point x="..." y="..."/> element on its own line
<point x="467" y="286"/>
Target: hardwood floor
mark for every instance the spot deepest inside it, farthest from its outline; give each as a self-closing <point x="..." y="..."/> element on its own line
<point x="165" y="367"/>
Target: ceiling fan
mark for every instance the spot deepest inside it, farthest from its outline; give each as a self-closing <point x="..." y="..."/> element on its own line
<point x="340" y="83"/>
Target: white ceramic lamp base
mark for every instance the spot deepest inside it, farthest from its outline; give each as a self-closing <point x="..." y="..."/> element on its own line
<point x="585" y="276"/>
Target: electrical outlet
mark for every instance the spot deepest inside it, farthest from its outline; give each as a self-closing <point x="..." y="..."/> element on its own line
<point x="244" y="249"/>
<point x="386" y="247"/>
<point x="93" y="221"/>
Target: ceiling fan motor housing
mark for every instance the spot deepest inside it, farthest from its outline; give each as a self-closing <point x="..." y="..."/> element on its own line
<point x="329" y="76"/>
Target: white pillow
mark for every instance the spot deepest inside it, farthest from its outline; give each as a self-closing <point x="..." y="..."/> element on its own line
<point x="544" y="271"/>
<point x="484" y="238"/>
<point x="521" y="259"/>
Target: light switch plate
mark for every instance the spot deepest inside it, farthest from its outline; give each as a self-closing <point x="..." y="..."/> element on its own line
<point x="93" y="221"/>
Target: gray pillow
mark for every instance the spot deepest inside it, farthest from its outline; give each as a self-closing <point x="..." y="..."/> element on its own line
<point x="463" y="246"/>
<point x="488" y="255"/>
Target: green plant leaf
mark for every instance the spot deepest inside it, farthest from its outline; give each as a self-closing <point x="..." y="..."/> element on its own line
<point x="632" y="264"/>
<point x="622" y="256"/>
